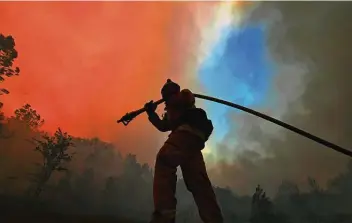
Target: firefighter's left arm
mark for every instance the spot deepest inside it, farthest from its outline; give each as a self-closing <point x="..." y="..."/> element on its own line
<point x="161" y="124"/>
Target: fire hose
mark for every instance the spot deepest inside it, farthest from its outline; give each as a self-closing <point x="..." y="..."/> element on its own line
<point x="126" y="119"/>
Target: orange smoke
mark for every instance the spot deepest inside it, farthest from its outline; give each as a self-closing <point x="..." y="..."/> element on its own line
<point x="85" y="64"/>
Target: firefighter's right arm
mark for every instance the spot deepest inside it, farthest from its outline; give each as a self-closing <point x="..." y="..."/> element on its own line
<point x="161" y="124"/>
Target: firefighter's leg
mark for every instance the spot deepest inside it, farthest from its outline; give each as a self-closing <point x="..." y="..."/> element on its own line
<point x="198" y="183"/>
<point x="164" y="188"/>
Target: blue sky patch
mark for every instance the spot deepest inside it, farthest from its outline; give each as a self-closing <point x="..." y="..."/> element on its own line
<point x="238" y="70"/>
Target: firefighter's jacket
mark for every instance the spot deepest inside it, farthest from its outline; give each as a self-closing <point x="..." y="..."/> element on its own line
<point x="193" y="120"/>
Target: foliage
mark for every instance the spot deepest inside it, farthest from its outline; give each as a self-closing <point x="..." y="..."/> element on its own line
<point x="8" y="54"/>
<point x="54" y="153"/>
<point x="263" y="209"/>
<point x="29" y="116"/>
<point x="261" y="206"/>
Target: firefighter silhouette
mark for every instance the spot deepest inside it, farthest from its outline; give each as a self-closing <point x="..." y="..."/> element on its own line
<point x="190" y="129"/>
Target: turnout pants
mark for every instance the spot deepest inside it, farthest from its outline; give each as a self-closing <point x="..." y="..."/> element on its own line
<point x="183" y="149"/>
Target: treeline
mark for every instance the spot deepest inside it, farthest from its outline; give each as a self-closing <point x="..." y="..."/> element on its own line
<point x="93" y="178"/>
<point x="64" y="175"/>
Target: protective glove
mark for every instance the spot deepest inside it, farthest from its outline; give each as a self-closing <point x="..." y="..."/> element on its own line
<point x="150" y="107"/>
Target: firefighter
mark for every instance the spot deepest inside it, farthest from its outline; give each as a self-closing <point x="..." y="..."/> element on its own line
<point x="190" y="129"/>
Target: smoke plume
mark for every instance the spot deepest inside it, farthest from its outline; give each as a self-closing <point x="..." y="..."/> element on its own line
<point x="310" y="43"/>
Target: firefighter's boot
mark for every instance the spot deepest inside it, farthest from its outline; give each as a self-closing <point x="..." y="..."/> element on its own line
<point x="163" y="217"/>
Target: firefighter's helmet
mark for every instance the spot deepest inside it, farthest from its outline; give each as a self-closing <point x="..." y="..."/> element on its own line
<point x="169" y="89"/>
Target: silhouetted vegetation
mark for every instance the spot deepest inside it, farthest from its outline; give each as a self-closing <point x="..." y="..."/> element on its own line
<point x="98" y="181"/>
<point x="8" y="54"/>
<point x="53" y="150"/>
<point x="29" y="116"/>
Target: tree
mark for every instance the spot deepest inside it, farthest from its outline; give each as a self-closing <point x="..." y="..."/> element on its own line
<point x="263" y="209"/>
<point x="29" y="116"/>
<point x="54" y="151"/>
<point x="2" y="119"/>
<point x="8" y="54"/>
<point x="261" y="205"/>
